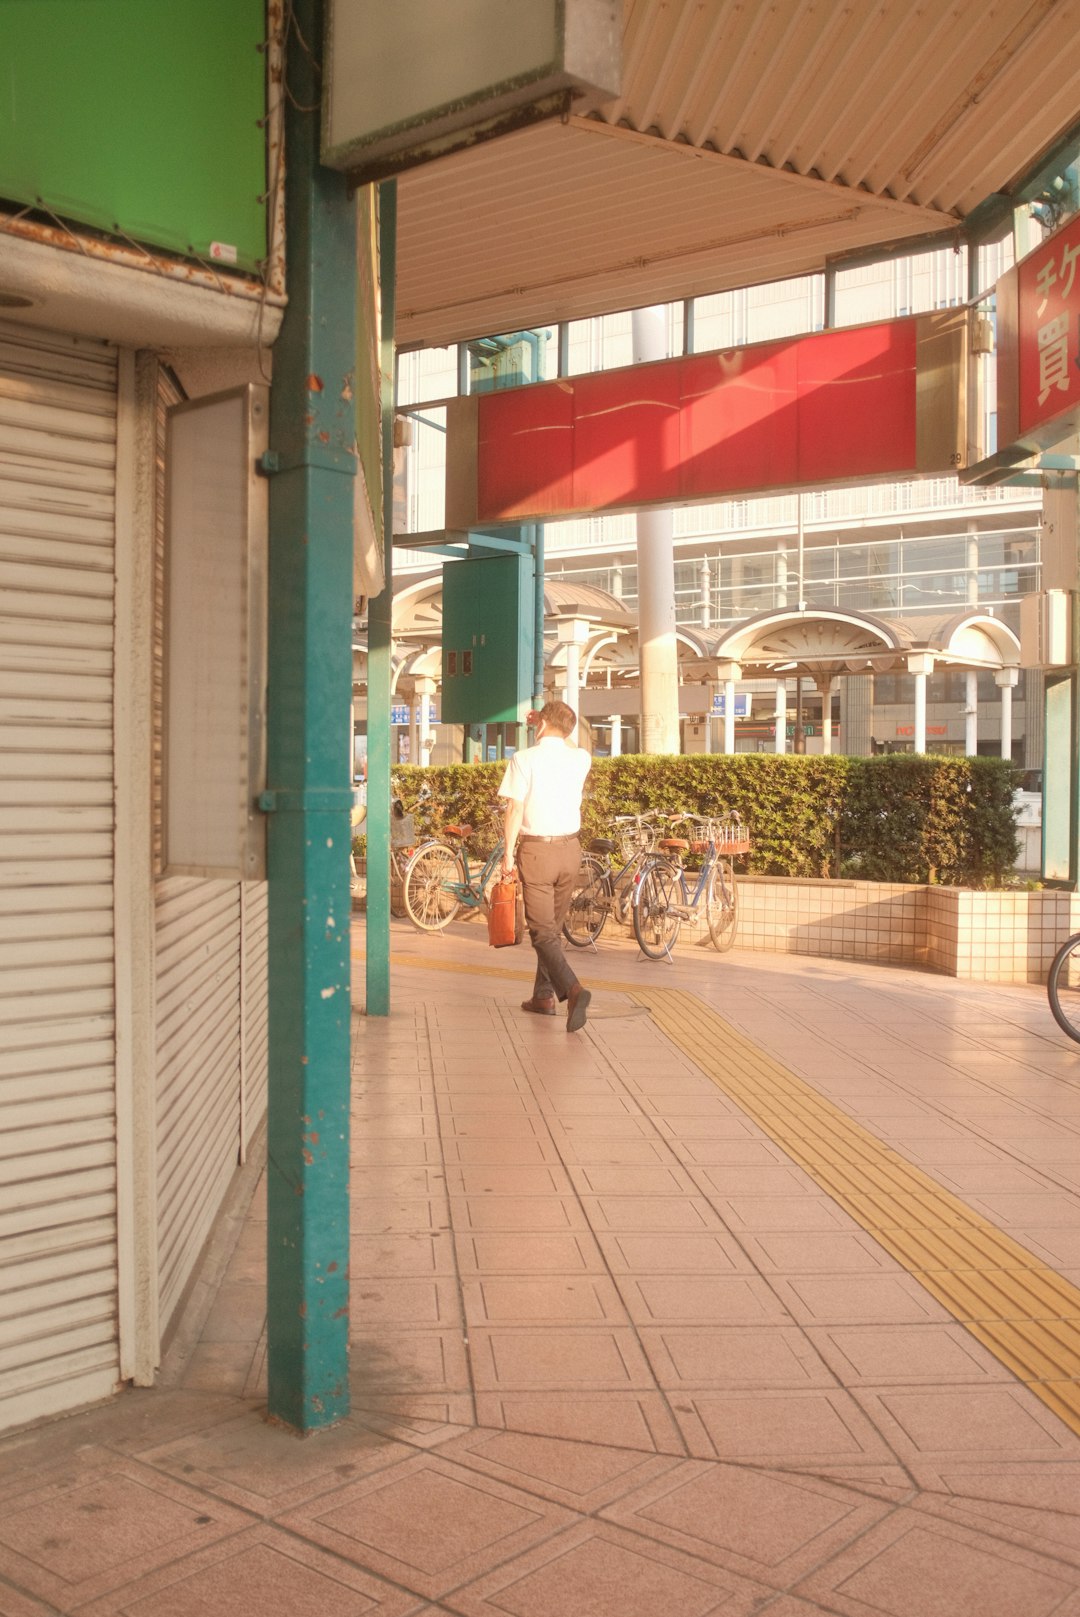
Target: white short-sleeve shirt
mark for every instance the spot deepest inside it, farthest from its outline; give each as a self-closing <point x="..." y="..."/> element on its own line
<point x="548" y="779"/>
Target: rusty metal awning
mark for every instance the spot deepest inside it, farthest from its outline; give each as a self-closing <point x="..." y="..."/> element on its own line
<point x="751" y="142"/>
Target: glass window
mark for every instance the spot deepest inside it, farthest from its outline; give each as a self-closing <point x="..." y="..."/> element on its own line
<point x="901" y="286"/>
<point x="512" y="359"/>
<point x="427" y="373"/>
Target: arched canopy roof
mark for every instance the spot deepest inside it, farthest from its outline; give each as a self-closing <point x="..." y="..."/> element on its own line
<point x="832" y="641"/>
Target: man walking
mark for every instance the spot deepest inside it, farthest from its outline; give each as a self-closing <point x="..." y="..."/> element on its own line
<point x="542" y="787"/>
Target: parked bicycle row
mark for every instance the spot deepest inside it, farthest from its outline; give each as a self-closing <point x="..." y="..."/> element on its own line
<point x="655" y="873"/>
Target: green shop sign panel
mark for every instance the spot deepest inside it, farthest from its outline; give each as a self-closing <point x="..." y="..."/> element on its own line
<point x="139" y="118"/>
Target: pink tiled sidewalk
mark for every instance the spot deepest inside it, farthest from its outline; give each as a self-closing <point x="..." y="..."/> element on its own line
<point x="614" y="1352"/>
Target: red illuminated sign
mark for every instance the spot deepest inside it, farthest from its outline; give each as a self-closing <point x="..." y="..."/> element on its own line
<point x="1049" y="321"/>
<point x="800" y="411"/>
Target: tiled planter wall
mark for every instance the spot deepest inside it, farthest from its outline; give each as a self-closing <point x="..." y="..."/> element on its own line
<point x="989" y="937"/>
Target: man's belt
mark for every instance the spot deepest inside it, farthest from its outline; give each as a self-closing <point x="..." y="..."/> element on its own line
<point x="570" y="836"/>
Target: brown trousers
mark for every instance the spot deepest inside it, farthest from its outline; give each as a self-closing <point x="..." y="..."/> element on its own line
<point x="548" y="873"/>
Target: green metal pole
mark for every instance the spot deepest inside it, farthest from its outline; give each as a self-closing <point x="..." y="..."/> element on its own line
<point x="313" y="465"/>
<point x="380" y="645"/>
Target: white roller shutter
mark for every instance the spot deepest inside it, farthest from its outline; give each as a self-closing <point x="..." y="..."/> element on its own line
<point x="198" y="1069"/>
<point x="58" y="1278"/>
<point x="256" y="1030"/>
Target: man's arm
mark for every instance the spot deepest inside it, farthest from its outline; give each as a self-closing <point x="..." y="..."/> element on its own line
<point x="513" y="815"/>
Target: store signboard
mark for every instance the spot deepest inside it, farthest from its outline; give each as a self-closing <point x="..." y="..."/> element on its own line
<point x="1049" y="329"/>
<point x="411" y="81"/>
<point x="742" y="705"/>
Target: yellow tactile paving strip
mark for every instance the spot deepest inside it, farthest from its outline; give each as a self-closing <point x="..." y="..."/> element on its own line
<point x="1023" y="1312"/>
<point x="1028" y="1316"/>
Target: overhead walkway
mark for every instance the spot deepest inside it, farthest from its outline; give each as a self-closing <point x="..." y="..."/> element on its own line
<point x="760" y="1295"/>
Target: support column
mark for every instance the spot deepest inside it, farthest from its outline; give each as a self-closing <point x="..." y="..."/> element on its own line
<point x="971" y="714"/>
<point x="826" y="689"/>
<point x="921" y="665"/>
<point x="727" y="674"/>
<point x="616" y="734"/>
<point x="1006" y="680"/>
<point x="705" y="584"/>
<point x="380" y="651"/>
<point x="424" y="687"/>
<point x="781" y="716"/>
<point x="657" y="646"/>
<point x="573" y="633"/>
<point x="313" y="434"/>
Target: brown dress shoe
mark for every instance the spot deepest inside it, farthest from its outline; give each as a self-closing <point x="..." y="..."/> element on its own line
<point x="540" y="1007"/>
<point x="577" y="1005"/>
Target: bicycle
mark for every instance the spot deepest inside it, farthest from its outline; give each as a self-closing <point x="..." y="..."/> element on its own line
<point x="661" y="902"/>
<point x="602" y="890"/>
<point x="440" y="881"/>
<point x="1063" y="987"/>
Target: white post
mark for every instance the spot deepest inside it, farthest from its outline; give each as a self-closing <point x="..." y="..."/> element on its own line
<point x="781" y="572"/>
<point x="1006" y="679"/>
<point x="657" y="646"/>
<point x="414" y="729"/>
<point x="921" y="664"/>
<point x="826" y="690"/>
<point x="971" y="714"/>
<point x="572" y="633"/>
<point x="616" y="735"/>
<point x="781" y="716"/>
<point x="705" y="581"/>
<point x="709" y="688"/>
<point x="729" y="715"/>
<point x="424" y="687"/>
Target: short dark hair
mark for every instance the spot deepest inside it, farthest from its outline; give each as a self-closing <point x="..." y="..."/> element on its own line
<point x="558" y="717"/>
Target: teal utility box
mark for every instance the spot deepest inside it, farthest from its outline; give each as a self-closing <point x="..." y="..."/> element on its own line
<point x="488" y="636"/>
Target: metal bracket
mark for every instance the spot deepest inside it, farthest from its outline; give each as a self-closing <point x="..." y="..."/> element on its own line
<point x="309" y="800"/>
<point x="321" y="457"/>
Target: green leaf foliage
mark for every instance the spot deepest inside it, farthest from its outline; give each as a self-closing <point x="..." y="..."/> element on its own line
<point x="901" y="818"/>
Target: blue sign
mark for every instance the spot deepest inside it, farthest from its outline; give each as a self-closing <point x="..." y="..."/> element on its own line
<point x="742" y="704"/>
<point x="400" y="711"/>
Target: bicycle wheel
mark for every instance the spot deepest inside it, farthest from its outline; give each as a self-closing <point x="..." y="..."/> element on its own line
<point x="655" y="926"/>
<point x="431" y="879"/>
<point x="588" y="904"/>
<point x="722" y="905"/>
<point x="1063" y="987"/>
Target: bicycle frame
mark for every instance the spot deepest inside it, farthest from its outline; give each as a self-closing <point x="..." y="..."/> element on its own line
<point x="470" y="892"/>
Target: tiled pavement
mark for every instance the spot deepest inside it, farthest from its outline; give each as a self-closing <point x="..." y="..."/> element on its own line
<point x="616" y="1354"/>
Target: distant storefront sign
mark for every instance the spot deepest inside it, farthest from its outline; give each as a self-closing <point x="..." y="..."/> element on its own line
<point x="931" y="729"/>
<point x="400" y="713"/>
<point x="742" y="705"/>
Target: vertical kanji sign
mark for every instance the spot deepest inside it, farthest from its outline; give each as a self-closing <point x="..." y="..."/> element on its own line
<point x="1049" y="284"/>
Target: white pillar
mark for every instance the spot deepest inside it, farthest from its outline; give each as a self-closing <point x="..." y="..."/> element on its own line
<point x="414" y="729"/>
<point x="971" y="714"/>
<point x="572" y="633"/>
<point x="729" y="715"/>
<point x="921" y="664"/>
<point x="1006" y="679"/>
<point x="657" y="646"/>
<point x="424" y="687"/>
<point x="826" y="690"/>
<point x="781" y="716"/>
<point x="920" y="712"/>
<point x="616" y="734"/>
<point x="705" y="582"/>
<point x="709" y="688"/>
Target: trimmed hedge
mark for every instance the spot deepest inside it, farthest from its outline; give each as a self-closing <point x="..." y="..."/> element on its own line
<point x="901" y="818"/>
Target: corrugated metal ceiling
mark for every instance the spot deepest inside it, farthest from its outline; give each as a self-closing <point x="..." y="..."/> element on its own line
<point x="752" y="140"/>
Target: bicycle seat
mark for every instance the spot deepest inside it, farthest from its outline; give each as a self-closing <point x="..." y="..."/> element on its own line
<point x="674" y="844"/>
<point x="601" y="845"/>
<point x="457" y="830"/>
